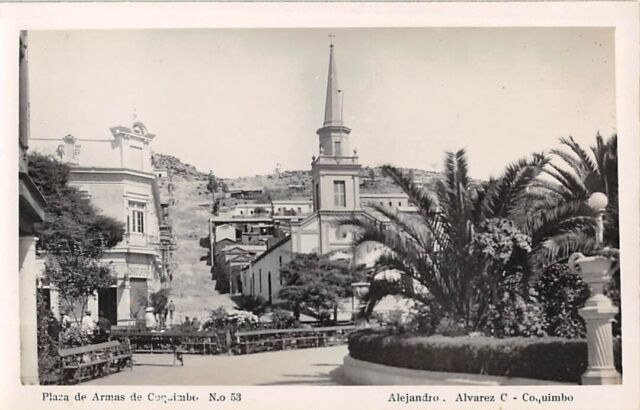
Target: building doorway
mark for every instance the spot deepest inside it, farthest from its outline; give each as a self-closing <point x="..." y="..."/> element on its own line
<point x="108" y="303"/>
<point x="138" y="297"/>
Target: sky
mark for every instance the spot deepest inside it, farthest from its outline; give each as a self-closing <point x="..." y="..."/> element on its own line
<point x="240" y="101"/>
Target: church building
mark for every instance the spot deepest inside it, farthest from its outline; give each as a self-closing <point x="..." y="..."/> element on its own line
<point x="335" y="174"/>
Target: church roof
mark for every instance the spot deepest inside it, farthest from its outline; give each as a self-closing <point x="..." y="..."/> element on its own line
<point x="333" y="107"/>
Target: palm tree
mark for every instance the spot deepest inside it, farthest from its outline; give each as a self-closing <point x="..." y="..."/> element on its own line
<point x="437" y="248"/>
<point x="559" y="219"/>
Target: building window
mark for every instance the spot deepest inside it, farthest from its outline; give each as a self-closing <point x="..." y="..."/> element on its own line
<point x="260" y="279"/>
<point x="390" y="204"/>
<point x="317" y="198"/>
<point x="399" y="203"/>
<point x="339" y="194"/>
<point x="337" y="150"/>
<point x="299" y="210"/>
<point x="136" y="220"/>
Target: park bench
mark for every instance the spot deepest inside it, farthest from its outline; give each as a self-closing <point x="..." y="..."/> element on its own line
<point x="283" y="339"/>
<point x="87" y="362"/>
<point x="174" y="342"/>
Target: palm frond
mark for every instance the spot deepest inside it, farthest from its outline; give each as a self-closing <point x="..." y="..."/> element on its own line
<point x="581" y="153"/>
<point x="509" y="189"/>
<point x="569" y="180"/>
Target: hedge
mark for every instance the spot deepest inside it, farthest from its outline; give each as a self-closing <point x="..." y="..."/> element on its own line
<point x="548" y="358"/>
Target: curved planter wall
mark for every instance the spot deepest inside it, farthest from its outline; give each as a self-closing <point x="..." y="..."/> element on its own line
<point x="366" y="373"/>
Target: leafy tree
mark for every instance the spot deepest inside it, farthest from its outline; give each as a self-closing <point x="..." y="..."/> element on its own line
<point x="254" y="304"/>
<point x="212" y="183"/>
<point x="561" y="294"/>
<point x="159" y="300"/>
<point x="74" y="235"/>
<point x="314" y="285"/>
<point x="460" y="245"/>
<point x="71" y="218"/>
<point x="565" y="222"/>
<point x="77" y="274"/>
<point x="221" y="273"/>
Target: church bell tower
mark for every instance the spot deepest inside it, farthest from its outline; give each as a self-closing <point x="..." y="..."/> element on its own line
<point x="336" y="170"/>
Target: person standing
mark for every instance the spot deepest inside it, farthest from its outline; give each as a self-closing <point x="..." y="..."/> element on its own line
<point x="88" y="325"/>
<point x="165" y="312"/>
<point x="195" y="324"/>
<point x="172" y="308"/>
<point x="65" y="321"/>
<point x="104" y="328"/>
<point x="149" y="318"/>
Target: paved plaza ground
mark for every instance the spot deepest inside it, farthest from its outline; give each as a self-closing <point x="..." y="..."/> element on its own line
<point x="291" y="367"/>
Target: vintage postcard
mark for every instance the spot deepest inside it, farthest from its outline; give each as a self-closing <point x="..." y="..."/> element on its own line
<point x="320" y="205"/>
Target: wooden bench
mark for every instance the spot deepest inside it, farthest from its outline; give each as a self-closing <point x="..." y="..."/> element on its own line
<point x="283" y="339"/>
<point x="86" y="362"/>
<point x="175" y="342"/>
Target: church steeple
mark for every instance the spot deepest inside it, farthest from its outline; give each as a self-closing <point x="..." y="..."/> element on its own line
<point x="335" y="172"/>
<point x="333" y="106"/>
<point x="334" y="136"/>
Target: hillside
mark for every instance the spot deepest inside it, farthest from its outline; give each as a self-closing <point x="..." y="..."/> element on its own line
<point x="297" y="184"/>
<point x="192" y="289"/>
<point x="185" y="189"/>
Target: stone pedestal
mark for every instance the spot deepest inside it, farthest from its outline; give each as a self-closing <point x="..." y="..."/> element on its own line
<point x="28" y="311"/>
<point x="598" y="313"/>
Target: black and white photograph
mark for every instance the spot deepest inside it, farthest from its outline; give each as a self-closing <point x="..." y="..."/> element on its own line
<point x="320" y="205"/>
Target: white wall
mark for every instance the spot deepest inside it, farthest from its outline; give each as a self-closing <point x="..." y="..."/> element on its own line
<point x="269" y="264"/>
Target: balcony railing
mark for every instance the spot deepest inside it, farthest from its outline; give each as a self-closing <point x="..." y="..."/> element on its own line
<point x="141" y="240"/>
<point x="325" y="159"/>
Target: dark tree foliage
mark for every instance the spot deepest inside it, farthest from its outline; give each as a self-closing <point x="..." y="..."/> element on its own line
<point x="255" y="304"/>
<point x="71" y="220"/>
<point x="77" y="274"/>
<point x="463" y="244"/>
<point x="48" y="331"/>
<point x="212" y="183"/>
<point x="221" y="273"/>
<point x="561" y="294"/>
<point x="74" y="235"/>
<point x="159" y="300"/>
<point x="315" y="284"/>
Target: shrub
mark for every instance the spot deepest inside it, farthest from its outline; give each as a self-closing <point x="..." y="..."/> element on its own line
<point x="562" y="294"/>
<point x="222" y="319"/>
<point x="548" y="358"/>
<point x="48" y="331"/>
<point x="514" y="316"/>
<point x="283" y="319"/>
<point x="255" y="304"/>
<point x="74" y="337"/>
